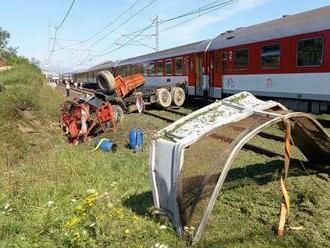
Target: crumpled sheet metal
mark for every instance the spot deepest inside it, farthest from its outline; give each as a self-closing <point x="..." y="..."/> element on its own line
<point x="186" y="186"/>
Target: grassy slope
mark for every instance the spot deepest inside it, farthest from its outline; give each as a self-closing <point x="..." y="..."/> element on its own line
<point x="60" y="195"/>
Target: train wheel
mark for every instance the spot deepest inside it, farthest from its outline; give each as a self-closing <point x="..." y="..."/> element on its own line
<point x="105" y="81"/>
<point x="118" y="112"/>
<point x="164" y="97"/>
<point x="178" y="96"/>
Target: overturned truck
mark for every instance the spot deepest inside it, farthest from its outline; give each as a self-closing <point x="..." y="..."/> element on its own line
<point x="125" y="91"/>
<point x="186" y="188"/>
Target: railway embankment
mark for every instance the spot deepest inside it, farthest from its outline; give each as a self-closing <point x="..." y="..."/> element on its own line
<point x="27" y="106"/>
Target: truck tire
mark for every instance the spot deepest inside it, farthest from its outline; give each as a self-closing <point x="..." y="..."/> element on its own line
<point x="164" y="97"/>
<point x="105" y="81"/>
<point x="178" y="96"/>
<point x="118" y="113"/>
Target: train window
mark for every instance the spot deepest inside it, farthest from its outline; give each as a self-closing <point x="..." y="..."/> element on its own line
<point x="224" y="61"/>
<point x="160" y="68"/>
<point x="270" y="56"/>
<point x="132" y="70"/>
<point x="168" y="67"/>
<point x="152" y="69"/>
<point x="192" y="65"/>
<point x="139" y="69"/>
<point x="178" y="66"/>
<point x="145" y="70"/>
<point x="310" y="52"/>
<point x="241" y="59"/>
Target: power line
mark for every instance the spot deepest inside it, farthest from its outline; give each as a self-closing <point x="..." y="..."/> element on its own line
<point x="224" y="4"/>
<point x="199" y="10"/>
<point x="193" y="12"/>
<point x="130" y="40"/>
<point x="66" y="15"/>
<point x="205" y="9"/>
<point x="117" y="18"/>
<point x="62" y="22"/>
<point x="106" y="26"/>
<point x="122" y="23"/>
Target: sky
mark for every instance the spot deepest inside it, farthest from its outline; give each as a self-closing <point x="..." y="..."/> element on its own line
<point x="32" y="23"/>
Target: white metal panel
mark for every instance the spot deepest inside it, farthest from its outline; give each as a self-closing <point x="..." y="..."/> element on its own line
<point x="298" y="85"/>
<point x="200" y="122"/>
<point x="164" y="80"/>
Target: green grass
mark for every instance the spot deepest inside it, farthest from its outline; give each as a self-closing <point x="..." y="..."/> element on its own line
<point x="27" y="109"/>
<point x="59" y="195"/>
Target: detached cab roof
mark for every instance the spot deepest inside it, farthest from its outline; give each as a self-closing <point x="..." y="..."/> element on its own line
<point x="190" y="159"/>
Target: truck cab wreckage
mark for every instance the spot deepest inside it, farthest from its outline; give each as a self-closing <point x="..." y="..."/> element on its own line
<point x="185" y="186"/>
<point x="115" y="96"/>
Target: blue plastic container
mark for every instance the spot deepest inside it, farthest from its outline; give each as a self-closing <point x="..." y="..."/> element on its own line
<point x="136" y="139"/>
<point x="106" y="145"/>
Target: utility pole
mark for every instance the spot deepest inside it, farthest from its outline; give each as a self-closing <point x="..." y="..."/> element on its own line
<point x="157" y="33"/>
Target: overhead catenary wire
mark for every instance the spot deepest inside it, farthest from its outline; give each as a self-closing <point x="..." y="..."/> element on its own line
<point x="199" y="10"/>
<point x="112" y="22"/>
<point x="105" y="26"/>
<point x="62" y="22"/>
<point x="126" y="43"/>
<point x="213" y="6"/>
<point x="122" y="23"/>
<point x="224" y="4"/>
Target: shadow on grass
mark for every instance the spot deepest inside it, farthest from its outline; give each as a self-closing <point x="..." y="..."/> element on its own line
<point x="252" y="239"/>
<point x="261" y="174"/>
<point x="139" y="203"/>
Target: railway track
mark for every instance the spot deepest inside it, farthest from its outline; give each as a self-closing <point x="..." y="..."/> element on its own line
<point x="248" y="147"/>
<point x="160" y="116"/>
<point x="78" y="91"/>
<point x="173" y="110"/>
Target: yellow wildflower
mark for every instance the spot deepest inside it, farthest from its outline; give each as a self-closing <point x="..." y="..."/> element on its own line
<point x="135" y="219"/>
<point x="91" y="199"/>
<point x="77" y="236"/>
<point x="73" y="221"/>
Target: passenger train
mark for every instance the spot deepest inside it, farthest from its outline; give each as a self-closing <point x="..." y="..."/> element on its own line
<point x="287" y="59"/>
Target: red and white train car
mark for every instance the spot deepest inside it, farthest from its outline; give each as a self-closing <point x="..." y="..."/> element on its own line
<point x="167" y="67"/>
<point x="287" y="59"/>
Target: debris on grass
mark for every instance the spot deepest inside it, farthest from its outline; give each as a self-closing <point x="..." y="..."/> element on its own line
<point x="191" y="157"/>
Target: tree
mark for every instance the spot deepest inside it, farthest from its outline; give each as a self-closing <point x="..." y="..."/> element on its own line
<point x="4" y="37"/>
<point x="7" y="53"/>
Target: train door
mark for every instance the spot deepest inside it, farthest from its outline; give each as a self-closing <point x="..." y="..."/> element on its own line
<point x="217" y="70"/>
<point x="191" y="71"/>
<point x="199" y="75"/>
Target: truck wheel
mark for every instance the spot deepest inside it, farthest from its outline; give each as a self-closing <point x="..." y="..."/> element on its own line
<point x="105" y="81"/>
<point x="164" y="97"/>
<point x="178" y="96"/>
<point x="118" y="112"/>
